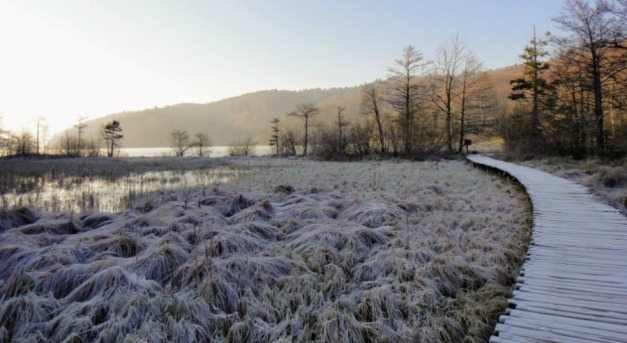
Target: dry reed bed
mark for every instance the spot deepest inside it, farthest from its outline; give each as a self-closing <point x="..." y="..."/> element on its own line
<point x="298" y="252"/>
<point x="101" y="166"/>
<point x="103" y="184"/>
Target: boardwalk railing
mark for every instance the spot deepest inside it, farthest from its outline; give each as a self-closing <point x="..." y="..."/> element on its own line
<point x="573" y="284"/>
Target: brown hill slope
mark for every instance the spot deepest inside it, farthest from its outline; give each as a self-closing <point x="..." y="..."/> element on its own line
<point x="225" y="120"/>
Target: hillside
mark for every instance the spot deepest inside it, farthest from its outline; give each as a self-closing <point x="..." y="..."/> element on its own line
<point x="247" y="115"/>
<point x="225" y="120"/>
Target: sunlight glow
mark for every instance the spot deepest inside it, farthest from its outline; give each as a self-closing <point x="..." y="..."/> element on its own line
<point x="62" y="60"/>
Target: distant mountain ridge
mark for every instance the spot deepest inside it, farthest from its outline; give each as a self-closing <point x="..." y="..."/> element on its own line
<point x="246" y="115"/>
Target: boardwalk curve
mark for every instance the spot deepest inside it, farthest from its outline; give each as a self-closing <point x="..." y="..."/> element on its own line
<point x="573" y="284"/>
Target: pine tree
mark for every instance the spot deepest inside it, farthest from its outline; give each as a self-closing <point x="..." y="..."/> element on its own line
<point x="406" y="95"/>
<point x="112" y="135"/>
<point x="274" y="139"/>
<point x="532" y="86"/>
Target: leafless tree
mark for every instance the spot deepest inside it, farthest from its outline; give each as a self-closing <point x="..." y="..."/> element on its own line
<point x="242" y="148"/>
<point x="92" y="148"/>
<point x="80" y="128"/>
<point x="341" y="123"/>
<point x="179" y="141"/>
<point x="4" y="141"/>
<point x="201" y="143"/>
<point x="24" y="142"/>
<point x="596" y="33"/>
<point x="289" y="141"/>
<point x="358" y="139"/>
<point x="371" y="101"/>
<point x="476" y="96"/>
<point x="445" y="81"/>
<point x="69" y="144"/>
<point x="42" y="131"/>
<point x="305" y="112"/>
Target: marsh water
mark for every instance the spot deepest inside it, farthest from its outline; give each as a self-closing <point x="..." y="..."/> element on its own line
<point x="94" y="193"/>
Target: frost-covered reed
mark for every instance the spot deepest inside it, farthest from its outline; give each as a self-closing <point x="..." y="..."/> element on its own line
<point x="102" y="184"/>
<point x="307" y="252"/>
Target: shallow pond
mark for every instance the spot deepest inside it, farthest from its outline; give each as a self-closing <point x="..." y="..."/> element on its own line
<point x="93" y="193"/>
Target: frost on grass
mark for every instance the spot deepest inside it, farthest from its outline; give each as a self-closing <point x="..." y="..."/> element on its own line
<point x="16" y="217"/>
<point x="301" y="252"/>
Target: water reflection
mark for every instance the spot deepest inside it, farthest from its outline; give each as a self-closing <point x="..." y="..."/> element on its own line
<point x="94" y="193"/>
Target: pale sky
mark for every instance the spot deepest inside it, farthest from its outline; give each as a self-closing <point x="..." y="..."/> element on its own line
<point x="65" y="59"/>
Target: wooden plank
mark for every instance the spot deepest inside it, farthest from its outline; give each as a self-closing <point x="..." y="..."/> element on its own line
<point x="569" y="302"/>
<point x="573" y="285"/>
<point x="561" y="332"/>
<point x="582" y="313"/>
<point x="532" y="332"/>
<point x="567" y="286"/>
<point x="582" y="327"/>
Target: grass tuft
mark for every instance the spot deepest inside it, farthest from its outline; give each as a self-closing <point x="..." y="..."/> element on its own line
<point x="110" y="281"/>
<point x="159" y="262"/>
<point x="373" y="214"/>
<point x="424" y="255"/>
<point x="16" y="217"/>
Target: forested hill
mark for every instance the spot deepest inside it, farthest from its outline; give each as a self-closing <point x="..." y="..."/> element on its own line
<point x="236" y="118"/>
<point x="225" y="120"/>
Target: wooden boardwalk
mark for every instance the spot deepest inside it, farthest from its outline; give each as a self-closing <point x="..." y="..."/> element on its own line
<point x="573" y="285"/>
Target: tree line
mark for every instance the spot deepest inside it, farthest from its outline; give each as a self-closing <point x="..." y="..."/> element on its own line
<point x="573" y="105"/>
<point x="570" y="100"/>
<point x="421" y="108"/>
<point x="24" y="142"/>
<point x="73" y="142"/>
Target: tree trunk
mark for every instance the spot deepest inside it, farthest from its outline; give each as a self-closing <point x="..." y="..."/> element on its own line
<point x="462" y="119"/>
<point x="449" y="114"/>
<point x="597" y="89"/>
<point x="112" y="146"/>
<point x="306" y="136"/>
<point x="380" y="127"/>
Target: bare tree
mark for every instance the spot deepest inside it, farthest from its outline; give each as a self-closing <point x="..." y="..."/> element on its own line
<point x="305" y="112"/>
<point x="80" y="127"/>
<point x="476" y="96"/>
<point x="290" y="141"/>
<point x="242" y="148"/>
<point x="42" y="131"/>
<point x="596" y="33"/>
<point x="111" y="133"/>
<point x="179" y="141"/>
<point x="92" y="148"/>
<point x="405" y="94"/>
<point x="24" y="142"/>
<point x="68" y="144"/>
<point x="201" y="142"/>
<point x="371" y="101"/>
<point x="274" y="139"/>
<point x="358" y="139"/>
<point x="445" y="82"/>
<point x="4" y="140"/>
<point x="341" y="123"/>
